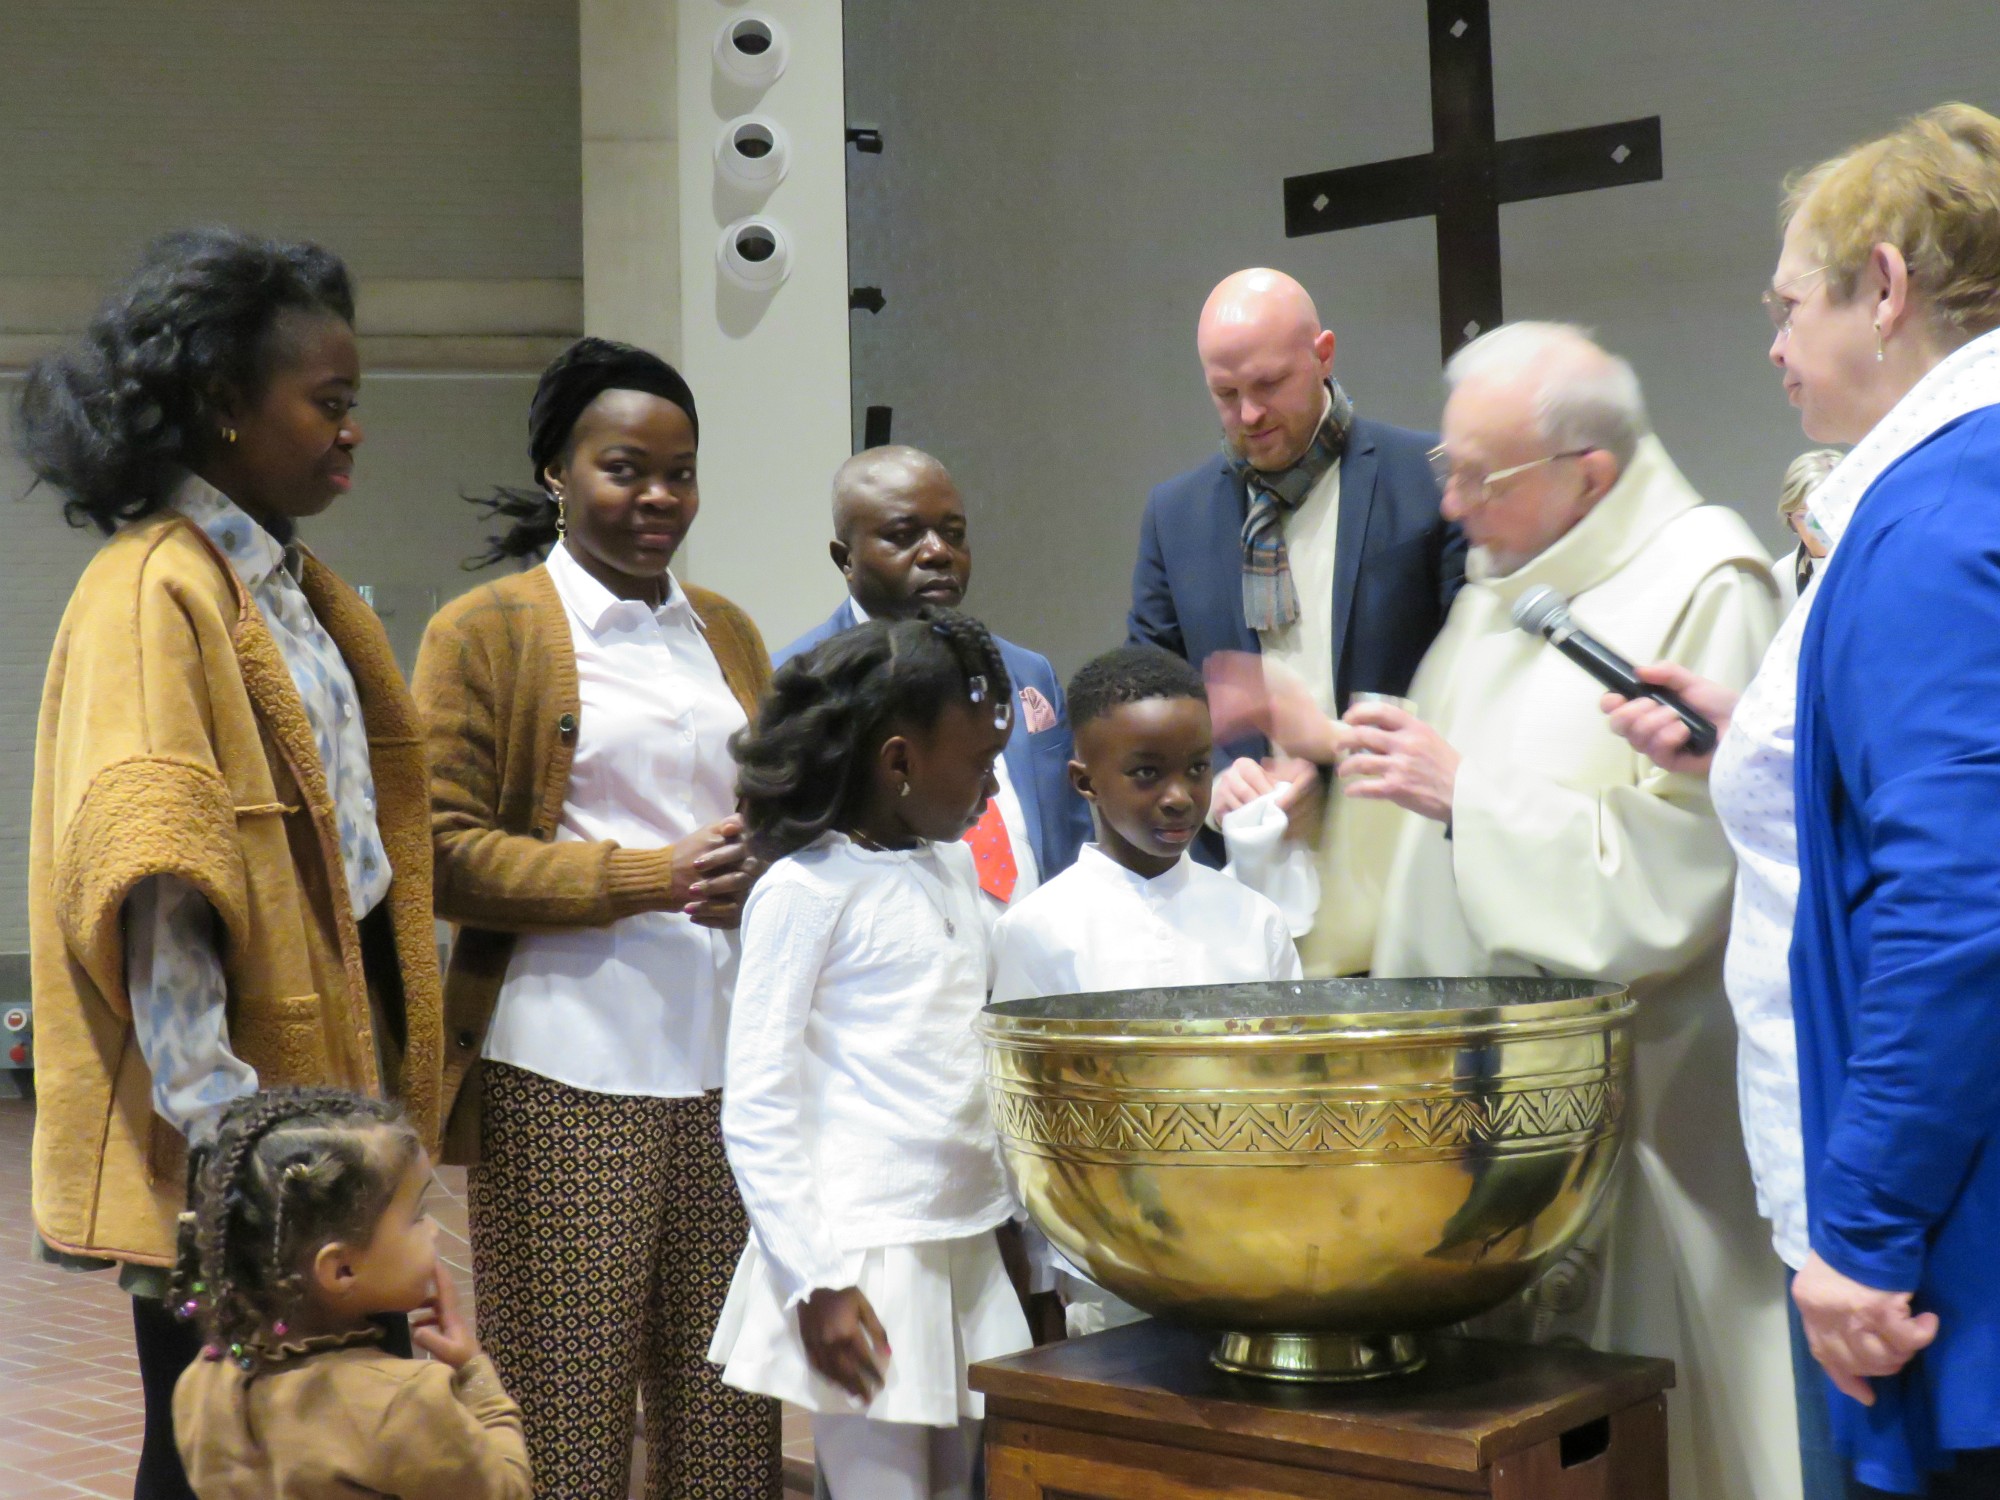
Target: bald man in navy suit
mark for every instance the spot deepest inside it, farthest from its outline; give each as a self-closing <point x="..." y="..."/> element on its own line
<point x="1315" y="537"/>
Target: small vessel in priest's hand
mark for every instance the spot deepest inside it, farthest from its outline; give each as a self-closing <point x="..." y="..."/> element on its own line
<point x="1321" y="1171"/>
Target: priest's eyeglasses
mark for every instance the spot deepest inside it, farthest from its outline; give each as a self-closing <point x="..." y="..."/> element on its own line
<point x="1446" y="473"/>
<point x="1781" y="307"/>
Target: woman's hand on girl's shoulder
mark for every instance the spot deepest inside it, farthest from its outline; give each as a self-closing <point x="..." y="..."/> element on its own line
<point x="715" y="878"/>
<point x="844" y="1340"/>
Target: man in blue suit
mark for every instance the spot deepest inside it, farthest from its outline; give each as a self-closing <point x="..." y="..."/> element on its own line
<point x="900" y="540"/>
<point x="1315" y="536"/>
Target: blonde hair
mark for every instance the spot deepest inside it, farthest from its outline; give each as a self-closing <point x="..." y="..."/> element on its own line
<point x="1931" y="188"/>
<point x="1803" y="475"/>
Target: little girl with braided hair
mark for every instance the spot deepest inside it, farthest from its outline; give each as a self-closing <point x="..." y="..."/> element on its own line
<point x="854" y="1110"/>
<point x="307" y="1228"/>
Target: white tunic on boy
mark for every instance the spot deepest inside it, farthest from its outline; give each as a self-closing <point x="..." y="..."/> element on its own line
<point x="854" y="1113"/>
<point x="1099" y="926"/>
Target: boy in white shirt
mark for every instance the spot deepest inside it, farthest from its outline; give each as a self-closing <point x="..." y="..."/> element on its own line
<point x="1134" y="911"/>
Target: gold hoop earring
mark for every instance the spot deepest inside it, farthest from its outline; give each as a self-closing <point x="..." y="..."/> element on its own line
<point x="1880" y="352"/>
<point x="229" y="434"/>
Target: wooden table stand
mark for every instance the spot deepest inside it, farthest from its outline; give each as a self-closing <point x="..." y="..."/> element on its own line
<point x="1138" y="1413"/>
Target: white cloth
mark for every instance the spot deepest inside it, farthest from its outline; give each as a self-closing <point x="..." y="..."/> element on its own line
<point x="1306" y="645"/>
<point x="1263" y="857"/>
<point x="1752" y="785"/>
<point x="893" y="1460"/>
<point x="1570" y="854"/>
<point x="1099" y="926"/>
<point x="944" y="1304"/>
<point x="639" y="1007"/>
<point x="854" y="1109"/>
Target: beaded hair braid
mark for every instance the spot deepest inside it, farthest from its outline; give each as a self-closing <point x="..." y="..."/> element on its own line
<point x="289" y="1171"/>
<point x="799" y="764"/>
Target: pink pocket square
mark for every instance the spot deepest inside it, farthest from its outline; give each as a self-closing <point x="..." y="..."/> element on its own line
<point x="1036" y="711"/>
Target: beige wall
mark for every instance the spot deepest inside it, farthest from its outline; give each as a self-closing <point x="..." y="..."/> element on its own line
<point x="769" y="370"/>
<point x="1064" y="183"/>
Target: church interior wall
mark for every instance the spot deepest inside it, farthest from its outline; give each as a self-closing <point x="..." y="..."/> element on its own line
<point x="434" y="143"/>
<point x="1063" y="183"/>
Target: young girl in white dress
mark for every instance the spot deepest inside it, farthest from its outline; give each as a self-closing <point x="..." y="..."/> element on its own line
<point x="855" y="1103"/>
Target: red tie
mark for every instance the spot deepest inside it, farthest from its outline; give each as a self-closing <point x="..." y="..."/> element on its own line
<point x="993" y="852"/>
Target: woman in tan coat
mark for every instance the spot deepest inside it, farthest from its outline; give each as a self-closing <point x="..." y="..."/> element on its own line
<point x="229" y="856"/>
<point x="579" y="717"/>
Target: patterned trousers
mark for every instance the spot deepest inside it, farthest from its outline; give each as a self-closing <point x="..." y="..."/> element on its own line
<point x="605" y="1230"/>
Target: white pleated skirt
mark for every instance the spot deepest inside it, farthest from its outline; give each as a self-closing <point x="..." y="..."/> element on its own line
<point x="945" y="1305"/>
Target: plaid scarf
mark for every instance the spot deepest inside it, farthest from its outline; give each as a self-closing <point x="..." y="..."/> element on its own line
<point x="1269" y="600"/>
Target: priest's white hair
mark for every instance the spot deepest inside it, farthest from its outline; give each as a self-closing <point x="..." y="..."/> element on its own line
<point x="1585" y="397"/>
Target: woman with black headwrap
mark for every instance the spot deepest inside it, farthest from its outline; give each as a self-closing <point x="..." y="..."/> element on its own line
<point x="583" y="809"/>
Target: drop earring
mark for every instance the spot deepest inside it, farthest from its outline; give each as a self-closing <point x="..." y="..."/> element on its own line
<point x="562" y="514"/>
<point x="905" y="791"/>
<point x="1880" y="352"/>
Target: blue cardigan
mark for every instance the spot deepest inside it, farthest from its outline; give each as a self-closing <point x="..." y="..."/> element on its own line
<point x="1896" y="951"/>
<point x="1037" y="764"/>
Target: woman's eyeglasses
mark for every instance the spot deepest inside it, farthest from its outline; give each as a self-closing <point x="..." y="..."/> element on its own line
<point x="1779" y="306"/>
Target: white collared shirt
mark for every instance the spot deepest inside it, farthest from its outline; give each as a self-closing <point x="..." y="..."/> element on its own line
<point x="1750" y="784"/>
<point x="639" y="1007"/>
<point x="1099" y="926"/>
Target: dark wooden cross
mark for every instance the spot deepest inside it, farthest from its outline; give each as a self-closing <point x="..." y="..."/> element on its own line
<point x="1468" y="174"/>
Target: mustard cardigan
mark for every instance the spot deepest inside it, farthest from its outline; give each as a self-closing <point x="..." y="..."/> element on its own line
<point x="496" y="686"/>
<point x="173" y="742"/>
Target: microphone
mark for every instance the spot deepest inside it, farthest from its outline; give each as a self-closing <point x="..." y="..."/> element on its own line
<point x="1544" y="612"/>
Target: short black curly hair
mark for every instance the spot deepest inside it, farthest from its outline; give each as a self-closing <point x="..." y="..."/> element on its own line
<point x="1131" y="674"/>
<point x="111" y="419"/>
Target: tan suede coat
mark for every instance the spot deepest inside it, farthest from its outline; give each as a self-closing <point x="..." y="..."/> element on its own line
<point x="173" y="742"/>
<point x="496" y="685"/>
<point x="350" y="1423"/>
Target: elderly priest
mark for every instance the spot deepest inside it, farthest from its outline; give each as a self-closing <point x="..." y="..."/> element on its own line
<point x="1500" y="829"/>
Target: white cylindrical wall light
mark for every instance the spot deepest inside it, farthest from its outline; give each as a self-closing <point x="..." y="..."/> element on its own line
<point x="753" y="152"/>
<point x="755" y="254"/>
<point x="750" y="50"/>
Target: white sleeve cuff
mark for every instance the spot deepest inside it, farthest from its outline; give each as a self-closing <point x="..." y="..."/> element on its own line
<point x="1265" y="860"/>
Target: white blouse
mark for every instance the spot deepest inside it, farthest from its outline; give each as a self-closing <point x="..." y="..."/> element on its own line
<point x="1750" y="785"/>
<point x="1099" y="926"/>
<point x="641" y="1006"/>
<point x="855" y="1108"/>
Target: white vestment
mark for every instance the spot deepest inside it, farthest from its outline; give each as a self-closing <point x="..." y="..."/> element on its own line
<point x="1570" y="854"/>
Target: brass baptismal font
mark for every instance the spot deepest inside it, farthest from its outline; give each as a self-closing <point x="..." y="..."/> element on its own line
<point x="1318" y="1172"/>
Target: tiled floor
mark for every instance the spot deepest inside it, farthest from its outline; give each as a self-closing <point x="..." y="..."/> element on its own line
<point x="69" y="1388"/>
